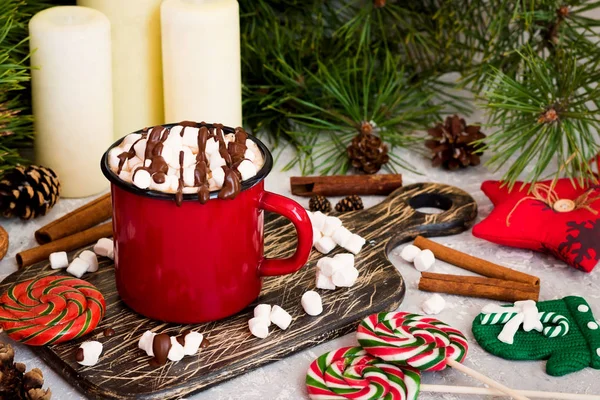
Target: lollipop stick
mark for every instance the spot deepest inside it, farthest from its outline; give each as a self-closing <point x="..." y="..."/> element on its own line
<point x="493" y="392"/>
<point x="485" y="379"/>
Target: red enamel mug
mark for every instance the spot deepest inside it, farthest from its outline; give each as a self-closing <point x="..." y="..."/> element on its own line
<point x="197" y="262"/>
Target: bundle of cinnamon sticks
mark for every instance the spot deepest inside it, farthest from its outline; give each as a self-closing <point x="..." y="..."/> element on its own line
<point x="76" y="229"/>
<point x="497" y="283"/>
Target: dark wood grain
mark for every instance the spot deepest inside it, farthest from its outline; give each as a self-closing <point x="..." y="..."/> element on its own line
<point x="123" y="371"/>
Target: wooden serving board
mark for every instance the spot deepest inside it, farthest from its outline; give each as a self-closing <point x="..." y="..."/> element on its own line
<point x="124" y="372"/>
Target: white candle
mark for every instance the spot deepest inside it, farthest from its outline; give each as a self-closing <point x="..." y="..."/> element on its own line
<point x="72" y="95"/>
<point x="137" y="63"/>
<point x="201" y="61"/>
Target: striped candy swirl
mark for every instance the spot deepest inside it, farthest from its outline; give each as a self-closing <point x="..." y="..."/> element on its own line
<point x="411" y="340"/>
<point x="351" y="373"/>
<point x="50" y="310"/>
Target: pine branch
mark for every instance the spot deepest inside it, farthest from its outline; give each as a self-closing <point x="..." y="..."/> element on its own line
<point x="549" y="112"/>
<point x="363" y="89"/>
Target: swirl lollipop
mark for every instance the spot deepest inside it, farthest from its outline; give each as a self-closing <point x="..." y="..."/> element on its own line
<point x="412" y="340"/>
<point x="351" y="373"/>
<point x="50" y="310"/>
<point x="424" y="343"/>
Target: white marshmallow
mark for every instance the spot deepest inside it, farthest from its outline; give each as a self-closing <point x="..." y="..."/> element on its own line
<point x="341" y="236"/>
<point x="173" y="183"/>
<point x="433" y="305"/>
<point x="188" y="176"/>
<point x="316" y="235"/>
<point x="216" y="161"/>
<point x="355" y="244"/>
<point x="346" y="259"/>
<point x="175" y="131"/>
<point x="104" y="247"/>
<point x="247" y="169"/>
<point x="328" y="266"/>
<point x="175" y="141"/>
<point x="91" y="352"/>
<point x="345" y="277"/>
<point x="176" y="351"/>
<point x="323" y="282"/>
<point x="410" y="252"/>
<point x="187" y="190"/>
<point x="146" y="343"/>
<point x="113" y="157"/>
<point x="325" y="245"/>
<point x="78" y="267"/>
<point x="263" y="311"/>
<point x="218" y="175"/>
<point x="171" y="155"/>
<point x="424" y="260"/>
<point x="311" y="302"/>
<point x="90" y="258"/>
<point x="280" y="317"/>
<point x="129" y="140"/>
<point x="190" y="138"/>
<point x="142" y="179"/>
<point x="59" y="260"/>
<point x="230" y="137"/>
<point x="125" y="175"/>
<point x="161" y="187"/>
<point x="134" y="163"/>
<point x="330" y="225"/>
<point x="189" y="158"/>
<point x="140" y="149"/>
<point x="259" y="327"/>
<point x="249" y="155"/>
<point x="212" y="146"/>
<point x="318" y="220"/>
<point x="147" y="162"/>
<point x="192" y="342"/>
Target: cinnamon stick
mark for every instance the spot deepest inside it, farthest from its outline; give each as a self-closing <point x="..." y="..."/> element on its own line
<point x="474" y="264"/>
<point x="475" y="286"/>
<point x="69" y="243"/>
<point x="342" y="185"/>
<point x="78" y="220"/>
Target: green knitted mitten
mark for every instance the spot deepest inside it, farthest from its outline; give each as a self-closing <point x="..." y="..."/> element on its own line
<point x="569" y="336"/>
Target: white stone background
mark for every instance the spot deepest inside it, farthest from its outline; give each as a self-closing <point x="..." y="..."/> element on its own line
<point x="284" y="380"/>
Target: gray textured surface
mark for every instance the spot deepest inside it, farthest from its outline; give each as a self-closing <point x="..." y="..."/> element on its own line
<point x="285" y="379"/>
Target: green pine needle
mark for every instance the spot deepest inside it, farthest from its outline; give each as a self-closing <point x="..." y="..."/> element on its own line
<point x="544" y="114"/>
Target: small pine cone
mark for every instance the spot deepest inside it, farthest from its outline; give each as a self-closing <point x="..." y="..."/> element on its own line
<point x="39" y="394"/>
<point x="453" y="144"/>
<point x="28" y="192"/>
<point x="367" y="152"/>
<point x="319" y="203"/>
<point x="350" y="203"/>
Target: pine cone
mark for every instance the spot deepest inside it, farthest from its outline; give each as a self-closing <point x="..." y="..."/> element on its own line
<point x="319" y="203"/>
<point x="28" y="192"/>
<point x="367" y="152"/>
<point x="350" y="203"/>
<point x="452" y="144"/>
<point x="15" y="383"/>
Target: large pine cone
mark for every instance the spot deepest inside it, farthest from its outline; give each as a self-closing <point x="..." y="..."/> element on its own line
<point x="452" y="144"/>
<point x="28" y="192"/>
<point x="15" y="383"/>
<point x="367" y="152"/>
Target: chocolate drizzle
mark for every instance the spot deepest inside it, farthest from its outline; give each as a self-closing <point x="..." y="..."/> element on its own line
<point x="181" y="338"/>
<point x="79" y="356"/>
<point x="233" y="154"/>
<point x="160" y="346"/>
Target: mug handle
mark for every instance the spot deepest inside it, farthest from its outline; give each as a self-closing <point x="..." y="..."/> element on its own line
<point x="297" y="214"/>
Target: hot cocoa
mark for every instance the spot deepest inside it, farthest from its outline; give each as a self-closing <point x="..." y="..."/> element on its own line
<point x="188" y="157"/>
